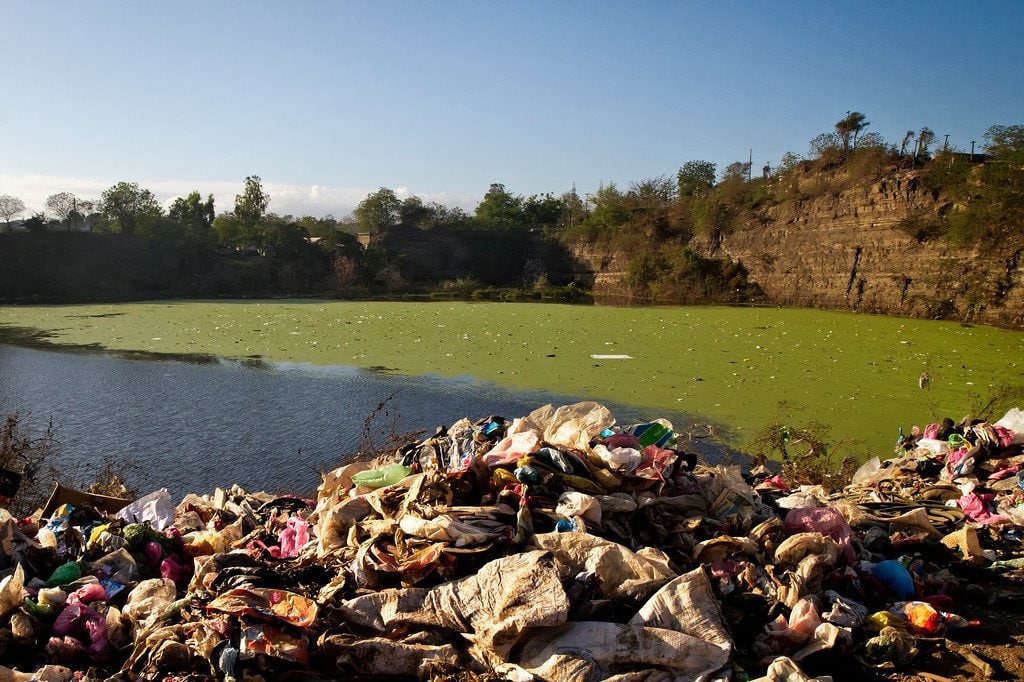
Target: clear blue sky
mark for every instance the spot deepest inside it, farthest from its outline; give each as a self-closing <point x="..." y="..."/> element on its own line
<point x="327" y="101"/>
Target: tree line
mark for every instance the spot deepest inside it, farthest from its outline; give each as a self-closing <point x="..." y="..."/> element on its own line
<point x="675" y="217"/>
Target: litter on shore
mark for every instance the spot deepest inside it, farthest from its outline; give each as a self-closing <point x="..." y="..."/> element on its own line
<point x="555" y="546"/>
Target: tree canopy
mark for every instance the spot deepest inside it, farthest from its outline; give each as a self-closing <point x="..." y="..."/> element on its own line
<point x="500" y="207"/>
<point x="1005" y="141"/>
<point x="378" y="211"/>
<point x="251" y="207"/>
<point x="696" y="178"/>
<point x="127" y="207"/>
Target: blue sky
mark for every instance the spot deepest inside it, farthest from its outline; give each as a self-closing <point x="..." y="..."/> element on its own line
<point x="327" y="101"/>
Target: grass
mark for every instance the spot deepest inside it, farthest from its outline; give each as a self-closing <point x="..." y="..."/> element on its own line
<point x="736" y="368"/>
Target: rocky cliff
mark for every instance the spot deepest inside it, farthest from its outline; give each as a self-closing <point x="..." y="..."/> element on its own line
<point x="848" y="248"/>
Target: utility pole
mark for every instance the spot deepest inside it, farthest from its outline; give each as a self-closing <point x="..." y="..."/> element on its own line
<point x="750" y="162"/>
<point x="945" y="145"/>
<point x="972" y="151"/>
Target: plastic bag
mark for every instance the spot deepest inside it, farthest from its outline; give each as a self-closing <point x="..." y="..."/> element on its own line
<point x="10" y="591"/>
<point x="1014" y="421"/>
<point x="579" y="504"/>
<point x="827" y="521"/>
<point x="288" y="607"/>
<point x="895" y="577"/>
<point x="379" y="478"/>
<point x="65" y="574"/>
<point x="294" y="537"/>
<point x="80" y="621"/>
<point x="870" y="473"/>
<point x="618" y="459"/>
<point x="155" y="507"/>
<point x="571" y="426"/>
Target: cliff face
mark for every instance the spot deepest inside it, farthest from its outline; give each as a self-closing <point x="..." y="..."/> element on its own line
<point x="843" y="249"/>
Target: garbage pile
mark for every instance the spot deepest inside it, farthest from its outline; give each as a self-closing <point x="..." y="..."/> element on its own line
<point x="556" y="546"/>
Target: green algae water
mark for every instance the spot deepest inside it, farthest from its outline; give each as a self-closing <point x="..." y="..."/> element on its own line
<point x="736" y="368"/>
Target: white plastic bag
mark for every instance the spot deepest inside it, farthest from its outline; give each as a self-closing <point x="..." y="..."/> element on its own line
<point x="155" y="507"/>
<point x="1014" y="420"/>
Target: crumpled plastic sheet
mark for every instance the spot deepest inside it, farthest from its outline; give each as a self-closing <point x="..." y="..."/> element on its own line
<point x="155" y="508"/>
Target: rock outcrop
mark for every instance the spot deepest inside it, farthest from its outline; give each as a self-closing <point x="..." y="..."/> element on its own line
<point x="848" y="249"/>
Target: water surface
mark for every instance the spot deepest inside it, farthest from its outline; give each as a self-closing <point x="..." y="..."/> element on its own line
<point x="274" y="426"/>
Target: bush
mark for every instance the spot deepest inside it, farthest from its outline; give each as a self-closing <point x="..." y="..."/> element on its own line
<point x="804" y="453"/>
<point x="31" y="456"/>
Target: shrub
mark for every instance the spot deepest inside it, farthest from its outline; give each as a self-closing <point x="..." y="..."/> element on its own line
<point x="31" y="456"/>
<point x="804" y="453"/>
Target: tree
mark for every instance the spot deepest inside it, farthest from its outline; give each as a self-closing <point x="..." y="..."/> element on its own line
<point x="37" y="223"/>
<point x="378" y="211"/>
<point x="828" y="147"/>
<point x="414" y="213"/>
<point x="500" y="207"/>
<point x="127" y="207"/>
<point x="227" y="228"/>
<point x="651" y="194"/>
<point x="64" y="205"/>
<point x="906" y="140"/>
<point x="873" y="140"/>
<point x="737" y="170"/>
<point x="787" y="163"/>
<point x="324" y="228"/>
<point x="193" y="215"/>
<point x="696" y="178"/>
<point x="610" y="209"/>
<point x="572" y="208"/>
<point x="851" y="126"/>
<point x="542" y="209"/>
<point x="1005" y="141"/>
<point x="10" y="207"/>
<point x="250" y="207"/>
<point x="924" y="138"/>
<point x="442" y="216"/>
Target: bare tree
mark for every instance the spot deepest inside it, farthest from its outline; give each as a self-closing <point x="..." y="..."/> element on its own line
<point x="10" y="207"/>
<point x="63" y="205"/>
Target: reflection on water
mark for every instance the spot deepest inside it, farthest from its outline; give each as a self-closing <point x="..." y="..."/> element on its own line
<point x="274" y="426"/>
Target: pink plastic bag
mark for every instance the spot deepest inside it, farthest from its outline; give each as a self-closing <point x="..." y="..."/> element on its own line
<point x="824" y="520"/>
<point x="294" y="537"/>
<point x="88" y="594"/>
<point x="977" y="508"/>
<point x="82" y="622"/>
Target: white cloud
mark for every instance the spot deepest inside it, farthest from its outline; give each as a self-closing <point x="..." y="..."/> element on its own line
<point x="317" y="200"/>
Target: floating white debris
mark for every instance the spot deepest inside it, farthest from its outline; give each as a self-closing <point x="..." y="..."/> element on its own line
<point x="611" y="357"/>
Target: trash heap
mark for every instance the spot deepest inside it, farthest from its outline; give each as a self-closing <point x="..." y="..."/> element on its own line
<point x="556" y="546"/>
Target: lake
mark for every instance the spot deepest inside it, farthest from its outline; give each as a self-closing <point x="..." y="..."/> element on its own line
<point x="735" y="370"/>
<point x="265" y="426"/>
